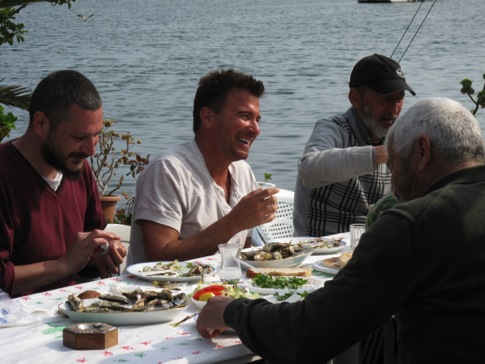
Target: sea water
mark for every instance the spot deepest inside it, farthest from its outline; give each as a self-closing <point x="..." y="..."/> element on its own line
<point x="146" y="57"/>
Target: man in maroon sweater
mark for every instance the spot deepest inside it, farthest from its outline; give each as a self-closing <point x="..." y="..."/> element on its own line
<point x="50" y="215"/>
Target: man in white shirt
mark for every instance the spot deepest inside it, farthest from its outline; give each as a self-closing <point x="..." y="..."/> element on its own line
<point x="202" y="193"/>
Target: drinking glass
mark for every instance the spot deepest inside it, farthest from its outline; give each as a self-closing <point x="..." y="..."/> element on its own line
<point x="356" y="230"/>
<point x="230" y="266"/>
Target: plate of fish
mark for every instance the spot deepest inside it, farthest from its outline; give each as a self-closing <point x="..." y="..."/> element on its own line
<point x="276" y="255"/>
<point x="137" y="307"/>
<point x="322" y="245"/>
<point x="174" y="271"/>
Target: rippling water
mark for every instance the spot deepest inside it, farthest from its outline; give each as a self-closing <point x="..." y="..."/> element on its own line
<point x="146" y="56"/>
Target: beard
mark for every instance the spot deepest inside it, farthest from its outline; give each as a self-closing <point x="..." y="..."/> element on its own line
<point x="374" y="125"/>
<point x="375" y="128"/>
<point x="58" y="160"/>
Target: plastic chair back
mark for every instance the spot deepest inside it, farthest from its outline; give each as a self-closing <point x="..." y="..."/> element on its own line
<point x="277" y="229"/>
<point x="282" y="225"/>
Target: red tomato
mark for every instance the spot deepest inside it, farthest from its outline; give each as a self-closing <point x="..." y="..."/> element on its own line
<point x="217" y="289"/>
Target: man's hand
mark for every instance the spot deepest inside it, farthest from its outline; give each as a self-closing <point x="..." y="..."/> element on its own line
<point x="380" y="154"/>
<point x="102" y="248"/>
<point x="256" y="208"/>
<point x="210" y="321"/>
<point x="109" y="259"/>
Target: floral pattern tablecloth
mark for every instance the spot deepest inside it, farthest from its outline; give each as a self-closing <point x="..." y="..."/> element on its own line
<point x="157" y="343"/>
<point x="149" y="344"/>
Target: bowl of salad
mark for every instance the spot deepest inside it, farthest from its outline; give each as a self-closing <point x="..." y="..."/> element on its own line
<point x="202" y="294"/>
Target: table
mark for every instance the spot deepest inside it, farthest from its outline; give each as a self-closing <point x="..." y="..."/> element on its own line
<point x="157" y="343"/>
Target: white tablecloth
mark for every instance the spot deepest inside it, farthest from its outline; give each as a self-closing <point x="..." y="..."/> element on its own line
<point x="157" y="343"/>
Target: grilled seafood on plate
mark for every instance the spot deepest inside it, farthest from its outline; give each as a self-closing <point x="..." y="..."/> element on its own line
<point x="137" y="300"/>
<point x="274" y="251"/>
<point x="176" y="268"/>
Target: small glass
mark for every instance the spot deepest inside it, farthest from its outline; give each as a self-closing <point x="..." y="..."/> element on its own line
<point x="356" y="231"/>
<point x="265" y="185"/>
<point x="237" y="239"/>
<point x="230" y="267"/>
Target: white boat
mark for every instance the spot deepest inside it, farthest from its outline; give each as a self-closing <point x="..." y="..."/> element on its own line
<point x="389" y="1"/>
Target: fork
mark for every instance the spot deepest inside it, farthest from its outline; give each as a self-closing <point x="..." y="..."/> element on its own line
<point x="188" y="317"/>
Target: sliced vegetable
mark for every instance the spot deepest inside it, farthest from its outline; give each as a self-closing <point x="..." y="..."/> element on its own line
<point x="205" y="296"/>
<point x="216" y="289"/>
<point x="223" y="290"/>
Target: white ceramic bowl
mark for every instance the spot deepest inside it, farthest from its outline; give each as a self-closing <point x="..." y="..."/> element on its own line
<point x="279" y="263"/>
<point x="198" y="304"/>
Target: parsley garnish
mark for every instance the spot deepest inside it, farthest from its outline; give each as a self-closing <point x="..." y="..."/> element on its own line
<point x="266" y="281"/>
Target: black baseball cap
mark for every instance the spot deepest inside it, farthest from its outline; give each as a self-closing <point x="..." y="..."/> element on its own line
<point x="381" y="74"/>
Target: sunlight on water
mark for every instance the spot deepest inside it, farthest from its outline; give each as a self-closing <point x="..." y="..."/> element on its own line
<point x="146" y="57"/>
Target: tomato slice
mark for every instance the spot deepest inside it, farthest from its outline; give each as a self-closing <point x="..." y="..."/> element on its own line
<point x="217" y="289"/>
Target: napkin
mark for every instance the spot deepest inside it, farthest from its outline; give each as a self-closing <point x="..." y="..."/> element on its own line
<point x="12" y="314"/>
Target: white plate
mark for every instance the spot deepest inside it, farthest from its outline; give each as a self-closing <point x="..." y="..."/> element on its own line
<point x="322" y="268"/>
<point x="313" y="283"/>
<point x="122" y="318"/>
<point x="198" y="304"/>
<point x="279" y="263"/>
<point x="310" y="240"/>
<point x="137" y="270"/>
<point x="293" y="298"/>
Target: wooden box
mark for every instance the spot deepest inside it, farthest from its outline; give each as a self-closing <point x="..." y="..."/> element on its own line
<point x="90" y="336"/>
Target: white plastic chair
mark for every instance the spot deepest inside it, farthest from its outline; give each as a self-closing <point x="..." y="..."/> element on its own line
<point x="276" y="229"/>
<point x="281" y="226"/>
<point x="123" y="231"/>
<point x="285" y="204"/>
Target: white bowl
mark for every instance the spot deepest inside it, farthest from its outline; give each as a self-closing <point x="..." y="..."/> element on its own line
<point x="279" y="263"/>
<point x="198" y="304"/>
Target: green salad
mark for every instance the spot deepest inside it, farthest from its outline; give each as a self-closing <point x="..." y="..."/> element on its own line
<point x="279" y="282"/>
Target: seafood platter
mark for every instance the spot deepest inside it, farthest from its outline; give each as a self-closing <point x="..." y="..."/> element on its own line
<point x="277" y="254"/>
<point x="130" y="307"/>
<point x="173" y="271"/>
<point x="322" y="245"/>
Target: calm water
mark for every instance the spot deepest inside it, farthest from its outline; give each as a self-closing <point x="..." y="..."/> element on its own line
<point x="146" y="56"/>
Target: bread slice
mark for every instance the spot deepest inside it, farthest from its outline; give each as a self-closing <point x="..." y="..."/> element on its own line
<point x="337" y="262"/>
<point x="344" y="258"/>
<point x="292" y="272"/>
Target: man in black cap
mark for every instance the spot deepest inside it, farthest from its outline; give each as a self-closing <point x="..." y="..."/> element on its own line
<point x="343" y="169"/>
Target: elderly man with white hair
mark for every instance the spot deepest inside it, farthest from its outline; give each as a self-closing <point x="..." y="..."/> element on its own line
<point x="422" y="262"/>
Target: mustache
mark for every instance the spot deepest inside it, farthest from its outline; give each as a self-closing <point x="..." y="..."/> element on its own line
<point x="389" y="116"/>
<point x="78" y="155"/>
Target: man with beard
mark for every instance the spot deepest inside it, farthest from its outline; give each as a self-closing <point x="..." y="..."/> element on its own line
<point x="422" y="261"/>
<point x="342" y="171"/>
<point x="202" y="193"/>
<point x="50" y="216"/>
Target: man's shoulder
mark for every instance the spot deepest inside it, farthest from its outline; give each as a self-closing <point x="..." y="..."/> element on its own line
<point x="336" y="121"/>
<point x="175" y="152"/>
<point x="8" y="157"/>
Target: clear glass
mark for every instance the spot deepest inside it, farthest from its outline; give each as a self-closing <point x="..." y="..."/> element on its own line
<point x="236" y="239"/>
<point x="230" y="267"/>
<point x="356" y="231"/>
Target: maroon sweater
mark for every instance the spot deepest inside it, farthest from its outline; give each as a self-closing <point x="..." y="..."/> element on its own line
<point x="36" y="223"/>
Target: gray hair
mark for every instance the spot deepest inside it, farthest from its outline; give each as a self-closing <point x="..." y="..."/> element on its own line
<point x="453" y="131"/>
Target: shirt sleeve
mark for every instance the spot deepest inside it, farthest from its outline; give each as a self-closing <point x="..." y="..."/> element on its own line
<point x="360" y="298"/>
<point x="160" y="194"/>
<point x="328" y="158"/>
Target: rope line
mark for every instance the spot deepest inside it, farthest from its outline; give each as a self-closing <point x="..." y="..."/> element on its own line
<point x="409" y="25"/>
<point x="416" y="33"/>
